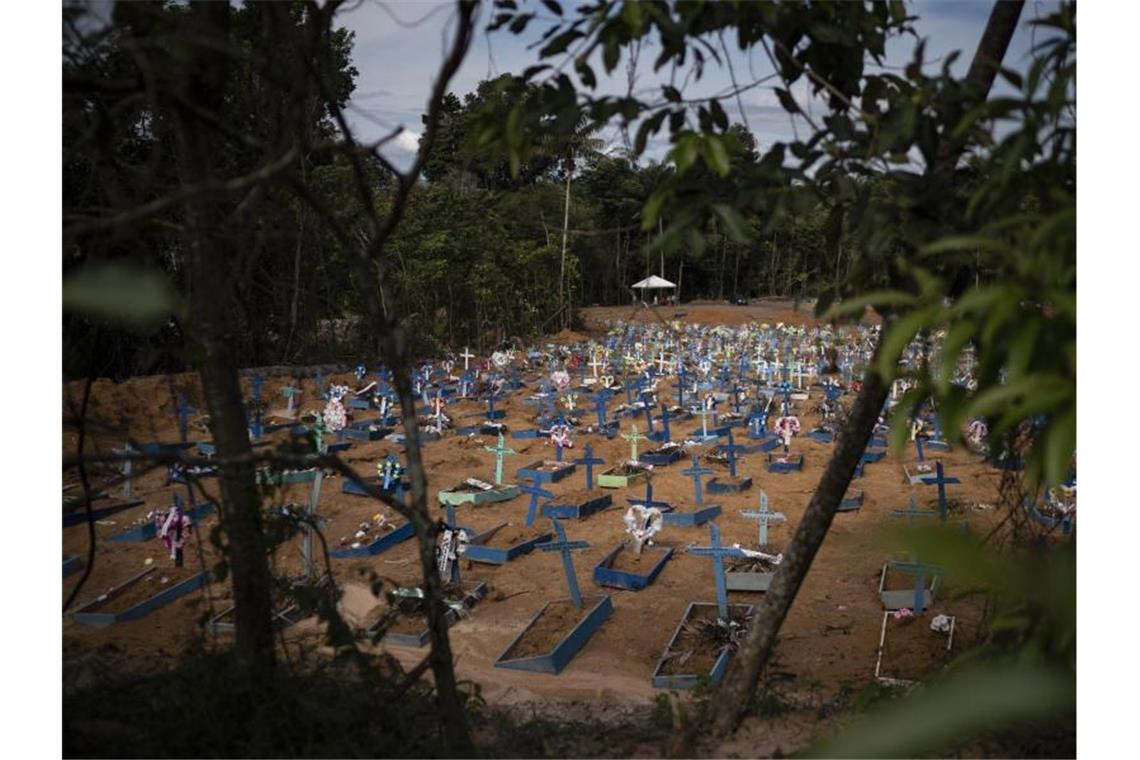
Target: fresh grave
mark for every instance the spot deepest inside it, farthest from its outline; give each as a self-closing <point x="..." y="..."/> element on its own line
<point x="475" y="491"/>
<point x="755" y="570"/>
<point x="632" y="564"/>
<point x="701" y="512"/>
<point x="708" y="634"/>
<point x="140" y="595"/>
<point x="910" y="647"/>
<point x="560" y="629"/>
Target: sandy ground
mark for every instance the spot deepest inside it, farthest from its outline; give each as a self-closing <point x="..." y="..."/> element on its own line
<point x="827" y="645"/>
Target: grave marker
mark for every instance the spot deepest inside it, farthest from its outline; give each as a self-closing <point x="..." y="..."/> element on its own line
<point x="565" y="547"/>
<point x="499" y="451"/>
<point x="536" y="491"/>
<point x="589" y="460"/>
<point x="764" y="517"/>
<point x="718" y="553"/>
<point x="695" y="472"/>
<point x="633" y="437"/>
<point x="941" y="481"/>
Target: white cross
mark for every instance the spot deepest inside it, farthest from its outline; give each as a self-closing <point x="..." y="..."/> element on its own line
<point x="467" y="356"/>
<point x="594" y="364"/>
<point x="661" y="362"/>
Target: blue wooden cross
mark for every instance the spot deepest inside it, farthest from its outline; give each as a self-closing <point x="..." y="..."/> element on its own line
<point x="600" y="407"/>
<point x="912" y="512"/>
<point x="758" y="424"/>
<point x="648" y="419"/>
<point x="786" y="388"/>
<point x="565" y="547"/>
<point x="919" y="446"/>
<point x="648" y="501"/>
<point x="536" y="491"/>
<point x="320" y="384"/>
<point x="731" y="449"/>
<point x="919" y="570"/>
<point x="680" y="386"/>
<point x="666" y="437"/>
<point x="718" y="553"/>
<point x="589" y="461"/>
<point x="941" y="481"/>
<point x="491" y="408"/>
<point x="183" y="417"/>
<point x="255" y="428"/>
<point x="255" y="385"/>
<point x="695" y="472"/>
<point x="764" y="517"/>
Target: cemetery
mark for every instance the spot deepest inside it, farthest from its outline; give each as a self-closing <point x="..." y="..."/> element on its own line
<point x="730" y="412"/>
<point x="659" y="595"/>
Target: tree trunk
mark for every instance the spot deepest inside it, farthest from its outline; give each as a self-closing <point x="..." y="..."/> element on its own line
<point x="206" y="268"/>
<point x="680" y="277"/>
<point x="565" y="237"/>
<point x="720" y="276"/>
<point x="774" y="266"/>
<point x="617" y="265"/>
<point x="447" y="693"/>
<point x="731" y="700"/>
<point x="736" y="273"/>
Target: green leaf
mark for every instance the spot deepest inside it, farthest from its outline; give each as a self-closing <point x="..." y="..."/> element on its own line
<point x="960" y="332"/>
<point x="932" y="720"/>
<point x="554" y="7"/>
<point x="732" y="222"/>
<point x="586" y="74"/>
<point x="786" y="100"/>
<point x="719" y="117"/>
<point x="896" y="338"/>
<point x="631" y="14"/>
<point x="652" y="209"/>
<point x="611" y="52"/>
<point x="560" y="43"/>
<point x="1060" y="442"/>
<point x="520" y="22"/>
<point x="122" y="295"/>
<point x="856" y="306"/>
<point x="965" y="243"/>
<point x="715" y="155"/>
<point x="685" y="151"/>
<point x="672" y="94"/>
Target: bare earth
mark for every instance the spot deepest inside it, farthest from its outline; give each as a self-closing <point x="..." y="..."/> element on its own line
<point x="828" y="644"/>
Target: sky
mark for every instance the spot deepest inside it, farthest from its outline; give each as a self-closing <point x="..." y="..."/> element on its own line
<point x="400" y="44"/>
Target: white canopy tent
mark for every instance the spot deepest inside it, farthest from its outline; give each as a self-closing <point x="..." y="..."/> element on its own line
<point x="652" y="282"/>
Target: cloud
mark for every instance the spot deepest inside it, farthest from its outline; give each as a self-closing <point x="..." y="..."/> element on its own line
<point x="407" y="141"/>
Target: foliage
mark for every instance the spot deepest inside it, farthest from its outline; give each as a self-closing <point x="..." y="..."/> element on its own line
<point x="1019" y="224"/>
